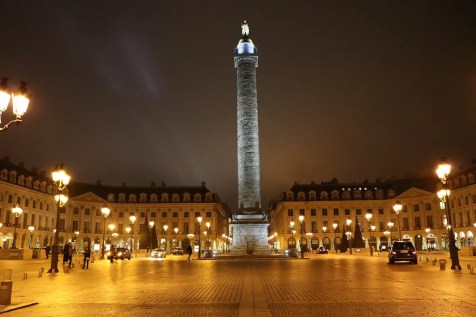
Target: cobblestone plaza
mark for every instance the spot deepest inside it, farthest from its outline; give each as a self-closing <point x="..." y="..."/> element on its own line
<point x="321" y="285"/>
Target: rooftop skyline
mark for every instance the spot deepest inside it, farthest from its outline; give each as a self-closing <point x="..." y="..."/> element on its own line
<point x="146" y="93"/>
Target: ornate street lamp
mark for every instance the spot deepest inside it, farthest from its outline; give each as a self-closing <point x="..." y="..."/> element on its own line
<point x="151" y="225"/>
<point x="443" y="172"/>
<point x="390" y="226"/>
<point x="132" y="219"/>
<point x="301" y="219"/>
<point x="348" y="233"/>
<point x="334" y="225"/>
<point x="165" y="227"/>
<point x="19" y="102"/>
<point x="76" y="233"/>
<point x="199" y="219"/>
<point x="105" y="212"/>
<point x="397" y="208"/>
<point x="31" y="229"/>
<point x="60" y="179"/>
<point x="309" y="237"/>
<point x="369" y="216"/>
<point x="17" y="211"/>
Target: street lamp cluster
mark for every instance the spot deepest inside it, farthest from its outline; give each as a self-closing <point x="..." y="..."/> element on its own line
<point x="443" y="172"/>
<point x="19" y="102"/>
<point x="60" y="179"/>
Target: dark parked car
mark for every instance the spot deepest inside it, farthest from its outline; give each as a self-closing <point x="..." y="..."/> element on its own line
<point x="322" y="250"/>
<point x="178" y="251"/>
<point x="402" y="251"/>
<point x="119" y="253"/>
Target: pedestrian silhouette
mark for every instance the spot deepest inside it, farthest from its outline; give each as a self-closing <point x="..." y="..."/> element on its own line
<point x="189" y="251"/>
<point x="87" y="256"/>
<point x="112" y="250"/>
<point x="47" y="250"/>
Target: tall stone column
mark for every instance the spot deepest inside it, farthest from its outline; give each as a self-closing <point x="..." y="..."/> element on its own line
<point x="249" y="224"/>
<point x="246" y="62"/>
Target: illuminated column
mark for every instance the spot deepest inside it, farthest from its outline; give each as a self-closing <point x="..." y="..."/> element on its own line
<point x="246" y="62"/>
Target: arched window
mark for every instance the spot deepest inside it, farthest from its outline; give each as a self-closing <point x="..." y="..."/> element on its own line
<point x="132" y="198"/>
<point x="164" y="197"/>
<point x="175" y="198"/>
<point x="186" y="197"/>
<point x="324" y="196"/>
<point x="143" y="197"/>
<point x="301" y="196"/>
<point x="335" y="195"/>
<point x="289" y="196"/>
<point x="154" y="197"/>
<point x="369" y="194"/>
<point x="312" y="195"/>
<point x="197" y="197"/>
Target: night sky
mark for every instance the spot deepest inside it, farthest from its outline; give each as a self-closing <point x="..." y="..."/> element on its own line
<point x="141" y="91"/>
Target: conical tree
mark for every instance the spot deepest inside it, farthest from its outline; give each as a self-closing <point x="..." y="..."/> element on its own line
<point x="343" y="243"/>
<point x="358" y="241"/>
<point x="144" y="242"/>
<point x="155" y="242"/>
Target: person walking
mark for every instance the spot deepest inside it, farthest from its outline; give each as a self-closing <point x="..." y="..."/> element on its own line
<point x="112" y="250"/>
<point x="70" y="254"/>
<point x="65" y="253"/>
<point x="189" y="251"/>
<point x="87" y="256"/>
<point x="47" y="250"/>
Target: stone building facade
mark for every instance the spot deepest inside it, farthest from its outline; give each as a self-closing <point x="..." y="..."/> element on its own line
<point x="174" y="206"/>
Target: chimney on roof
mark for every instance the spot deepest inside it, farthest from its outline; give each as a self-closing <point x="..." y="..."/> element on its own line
<point x="162" y="184"/>
<point x="34" y="170"/>
<point x="204" y="184"/>
<point x="21" y="164"/>
<point x="99" y="182"/>
<point x="43" y="173"/>
<point x="152" y="184"/>
<point x="123" y="184"/>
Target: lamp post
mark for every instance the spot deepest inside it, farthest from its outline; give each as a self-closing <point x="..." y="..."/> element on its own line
<point x="348" y="233"/>
<point x="76" y="233"/>
<point x="20" y="102"/>
<point x="60" y="179"/>
<point x="334" y="225"/>
<point x="443" y="172"/>
<point x="390" y="226"/>
<point x="128" y="230"/>
<point x="199" y="219"/>
<point x="208" y="244"/>
<point x="151" y="225"/>
<point x="369" y="216"/>
<point x="291" y="225"/>
<point x="17" y="211"/>
<point x="176" y="231"/>
<point x="105" y="212"/>
<point x="165" y="227"/>
<point x="397" y="208"/>
<point x="31" y="229"/>
<point x="309" y="237"/>
<point x="301" y="219"/>
<point x="132" y="219"/>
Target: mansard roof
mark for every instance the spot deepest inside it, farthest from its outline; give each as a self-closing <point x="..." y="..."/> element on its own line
<point x="394" y="185"/>
<point x="77" y="188"/>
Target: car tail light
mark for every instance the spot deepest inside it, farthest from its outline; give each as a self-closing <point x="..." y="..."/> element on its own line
<point x="394" y="253"/>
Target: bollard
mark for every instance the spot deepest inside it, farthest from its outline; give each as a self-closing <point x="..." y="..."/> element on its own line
<point x="40" y="273"/>
<point x="6" y="292"/>
<point x="421" y="257"/>
<point x="434" y="261"/>
<point x="427" y="259"/>
<point x="7" y="275"/>
<point x="442" y="264"/>
<point x="25" y="276"/>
